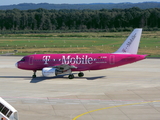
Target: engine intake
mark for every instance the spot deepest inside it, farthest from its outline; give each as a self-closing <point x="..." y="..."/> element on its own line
<point x="49" y="72"/>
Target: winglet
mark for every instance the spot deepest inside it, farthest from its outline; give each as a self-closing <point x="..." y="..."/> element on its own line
<point x="130" y="46"/>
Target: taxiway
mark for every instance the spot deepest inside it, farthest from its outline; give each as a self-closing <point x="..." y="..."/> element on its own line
<point x="130" y="92"/>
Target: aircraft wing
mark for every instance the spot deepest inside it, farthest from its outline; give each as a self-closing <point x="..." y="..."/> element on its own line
<point x="64" y="67"/>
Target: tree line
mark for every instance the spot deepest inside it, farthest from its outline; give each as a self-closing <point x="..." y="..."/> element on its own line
<point x="104" y="19"/>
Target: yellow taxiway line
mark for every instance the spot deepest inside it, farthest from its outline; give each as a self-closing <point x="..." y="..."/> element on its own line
<point x="112" y="107"/>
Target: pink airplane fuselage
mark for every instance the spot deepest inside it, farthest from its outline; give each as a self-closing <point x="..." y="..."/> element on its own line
<point x="82" y="62"/>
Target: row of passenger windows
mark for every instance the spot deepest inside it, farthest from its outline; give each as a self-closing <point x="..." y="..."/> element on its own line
<point x="5" y="110"/>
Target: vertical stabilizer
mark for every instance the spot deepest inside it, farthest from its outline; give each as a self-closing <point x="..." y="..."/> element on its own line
<point x="131" y="44"/>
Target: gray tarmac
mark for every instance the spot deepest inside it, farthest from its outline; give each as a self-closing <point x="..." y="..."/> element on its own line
<point x="130" y="92"/>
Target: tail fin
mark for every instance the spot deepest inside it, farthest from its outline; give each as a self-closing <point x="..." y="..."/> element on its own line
<point x="131" y="44"/>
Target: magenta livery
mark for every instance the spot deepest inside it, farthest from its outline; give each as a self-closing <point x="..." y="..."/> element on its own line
<point x="55" y="64"/>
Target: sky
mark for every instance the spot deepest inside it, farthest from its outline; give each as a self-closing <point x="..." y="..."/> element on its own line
<point x="11" y="2"/>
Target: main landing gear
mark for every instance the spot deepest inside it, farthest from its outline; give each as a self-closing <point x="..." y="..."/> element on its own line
<point x="81" y="74"/>
<point x="34" y="74"/>
<point x="71" y="76"/>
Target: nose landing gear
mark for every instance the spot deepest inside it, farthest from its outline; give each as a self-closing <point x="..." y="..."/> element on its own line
<point x="34" y="74"/>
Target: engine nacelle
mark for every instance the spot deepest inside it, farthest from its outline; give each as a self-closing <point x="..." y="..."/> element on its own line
<point x="49" y="72"/>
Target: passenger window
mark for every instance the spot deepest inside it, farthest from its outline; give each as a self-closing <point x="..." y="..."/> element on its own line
<point x="1" y="106"/>
<point x="9" y="114"/>
<point x="5" y="111"/>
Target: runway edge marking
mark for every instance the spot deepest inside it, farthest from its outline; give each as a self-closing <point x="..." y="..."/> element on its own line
<point x="112" y="107"/>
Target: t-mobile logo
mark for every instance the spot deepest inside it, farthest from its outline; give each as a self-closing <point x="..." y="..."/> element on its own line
<point x="46" y="59"/>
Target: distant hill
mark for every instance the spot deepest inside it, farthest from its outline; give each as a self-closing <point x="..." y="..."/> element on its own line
<point x="93" y="6"/>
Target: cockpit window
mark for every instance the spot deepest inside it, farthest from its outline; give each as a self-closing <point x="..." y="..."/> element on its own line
<point x="22" y="60"/>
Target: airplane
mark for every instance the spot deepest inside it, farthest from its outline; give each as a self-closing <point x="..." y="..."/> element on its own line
<point x="55" y="64"/>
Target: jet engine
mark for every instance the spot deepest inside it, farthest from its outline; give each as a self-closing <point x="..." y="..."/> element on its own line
<point x="49" y="72"/>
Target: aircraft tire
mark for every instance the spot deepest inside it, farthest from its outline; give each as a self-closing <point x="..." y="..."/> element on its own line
<point x="34" y="76"/>
<point x="71" y="76"/>
<point x="81" y="74"/>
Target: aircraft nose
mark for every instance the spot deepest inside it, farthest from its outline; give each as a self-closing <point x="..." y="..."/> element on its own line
<point x="16" y="64"/>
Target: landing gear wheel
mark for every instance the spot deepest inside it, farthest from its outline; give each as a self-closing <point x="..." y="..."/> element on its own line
<point x="71" y="76"/>
<point x="81" y="74"/>
<point x="34" y="74"/>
